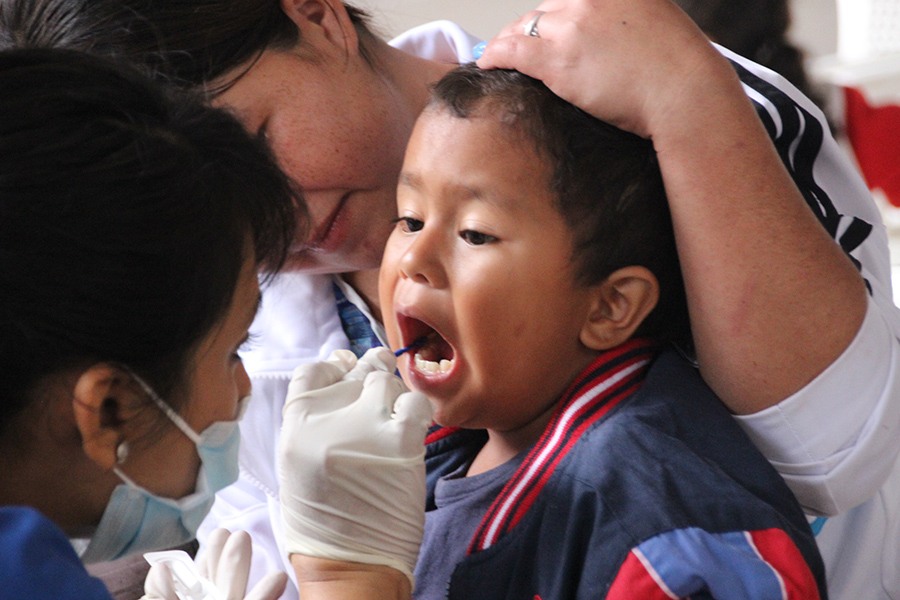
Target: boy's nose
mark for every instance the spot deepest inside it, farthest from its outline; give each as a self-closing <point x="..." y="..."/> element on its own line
<point x="422" y="260"/>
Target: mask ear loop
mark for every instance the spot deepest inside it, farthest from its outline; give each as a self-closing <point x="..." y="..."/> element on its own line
<point x="122" y="449"/>
<point x="165" y="408"/>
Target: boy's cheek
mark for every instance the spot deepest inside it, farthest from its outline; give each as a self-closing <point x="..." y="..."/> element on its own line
<point x="388" y="318"/>
<point x="387" y="282"/>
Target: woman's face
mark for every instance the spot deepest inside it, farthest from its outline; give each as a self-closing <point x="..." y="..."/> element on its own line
<point x="338" y="129"/>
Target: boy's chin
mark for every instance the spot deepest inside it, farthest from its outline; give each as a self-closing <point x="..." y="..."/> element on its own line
<point x="444" y="418"/>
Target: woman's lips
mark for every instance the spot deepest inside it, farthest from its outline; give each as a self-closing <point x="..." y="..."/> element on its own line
<point x="328" y="232"/>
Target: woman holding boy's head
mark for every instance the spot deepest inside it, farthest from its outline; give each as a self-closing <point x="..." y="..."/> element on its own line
<point x="337" y="105"/>
<point x="132" y="228"/>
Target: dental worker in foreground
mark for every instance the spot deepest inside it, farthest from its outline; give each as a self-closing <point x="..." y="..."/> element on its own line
<point x="132" y="228"/>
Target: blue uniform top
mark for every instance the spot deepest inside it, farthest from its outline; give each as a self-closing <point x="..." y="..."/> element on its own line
<point x="37" y="562"/>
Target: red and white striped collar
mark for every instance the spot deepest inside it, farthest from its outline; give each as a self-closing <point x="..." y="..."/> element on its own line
<point x="612" y="377"/>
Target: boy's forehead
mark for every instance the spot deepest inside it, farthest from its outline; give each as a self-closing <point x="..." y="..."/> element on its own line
<point x="503" y="129"/>
<point x="473" y="158"/>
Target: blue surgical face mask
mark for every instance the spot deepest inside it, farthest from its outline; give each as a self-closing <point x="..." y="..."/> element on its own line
<point x="137" y="520"/>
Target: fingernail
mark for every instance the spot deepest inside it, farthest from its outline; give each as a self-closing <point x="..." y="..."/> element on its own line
<point x="478" y="49"/>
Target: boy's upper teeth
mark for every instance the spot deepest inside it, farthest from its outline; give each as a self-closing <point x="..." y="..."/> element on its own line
<point x="430" y="366"/>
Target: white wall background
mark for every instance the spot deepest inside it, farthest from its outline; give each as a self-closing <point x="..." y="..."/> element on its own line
<point x="814" y="20"/>
<point x="814" y="26"/>
<point x="480" y="17"/>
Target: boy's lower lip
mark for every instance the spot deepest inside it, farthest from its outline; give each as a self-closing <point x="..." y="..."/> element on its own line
<point x="430" y="383"/>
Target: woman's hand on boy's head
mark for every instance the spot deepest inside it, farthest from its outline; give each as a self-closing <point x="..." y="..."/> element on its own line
<point x="624" y="61"/>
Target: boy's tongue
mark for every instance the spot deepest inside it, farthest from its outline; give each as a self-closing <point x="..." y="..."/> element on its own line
<point x="435" y="355"/>
<point x="435" y="348"/>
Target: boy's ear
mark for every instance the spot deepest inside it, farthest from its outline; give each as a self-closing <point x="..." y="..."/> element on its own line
<point x="102" y="404"/>
<point x="621" y="303"/>
<point x="323" y="21"/>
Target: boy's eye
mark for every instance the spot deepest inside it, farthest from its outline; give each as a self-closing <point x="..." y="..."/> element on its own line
<point x="410" y="225"/>
<point x="476" y="238"/>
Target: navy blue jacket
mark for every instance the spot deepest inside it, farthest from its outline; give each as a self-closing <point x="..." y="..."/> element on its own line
<point x="635" y="494"/>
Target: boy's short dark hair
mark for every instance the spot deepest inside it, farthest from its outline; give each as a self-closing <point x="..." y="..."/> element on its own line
<point x="607" y="182"/>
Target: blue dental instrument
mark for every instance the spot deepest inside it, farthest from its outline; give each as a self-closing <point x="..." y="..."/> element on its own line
<point x="413" y="346"/>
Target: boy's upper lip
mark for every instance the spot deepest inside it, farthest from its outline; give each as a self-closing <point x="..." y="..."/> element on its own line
<point x="413" y="323"/>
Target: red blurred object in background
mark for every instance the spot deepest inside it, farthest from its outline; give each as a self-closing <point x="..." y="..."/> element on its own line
<point x="874" y="135"/>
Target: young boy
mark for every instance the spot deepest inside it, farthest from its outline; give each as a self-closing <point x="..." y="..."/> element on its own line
<point x="533" y="266"/>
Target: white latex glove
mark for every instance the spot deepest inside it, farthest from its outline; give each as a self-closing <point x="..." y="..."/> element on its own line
<point x="351" y="462"/>
<point x="220" y="573"/>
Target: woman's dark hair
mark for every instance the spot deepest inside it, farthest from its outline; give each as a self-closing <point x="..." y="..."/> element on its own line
<point x="607" y="182"/>
<point x="126" y="215"/>
<point x="756" y="29"/>
<point x="188" y="42"/>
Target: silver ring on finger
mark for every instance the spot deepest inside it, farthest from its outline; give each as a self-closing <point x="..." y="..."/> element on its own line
<point x="531" y="27"/>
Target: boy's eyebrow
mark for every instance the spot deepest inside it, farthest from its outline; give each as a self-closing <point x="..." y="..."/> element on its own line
<point x="410" y="180"/>
<point x="414" y="181"/>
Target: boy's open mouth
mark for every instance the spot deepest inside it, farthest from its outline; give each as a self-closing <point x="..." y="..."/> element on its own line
<point x="433" y="354"/>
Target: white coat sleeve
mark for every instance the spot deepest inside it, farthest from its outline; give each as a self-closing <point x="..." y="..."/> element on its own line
<point x="836" y="440"/>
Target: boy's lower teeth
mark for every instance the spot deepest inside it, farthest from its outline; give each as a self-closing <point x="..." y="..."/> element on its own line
<point x="430" y="366"/>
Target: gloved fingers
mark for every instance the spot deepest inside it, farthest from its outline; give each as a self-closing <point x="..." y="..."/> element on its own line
<point x="314" y="376"/>
<point x="375" y="359"/>
<point x="320" y="404"/>
<point x="270" y="587"/>
<point x="233" y="568"/>
<point x="380" y="391"/>
<point x="413" y="408"/>
<point x="208" y="557"/>
<point x="381" y="358"/>
<point x="159" y="583"/>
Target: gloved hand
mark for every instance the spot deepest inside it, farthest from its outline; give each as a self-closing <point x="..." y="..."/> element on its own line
<point x="351" y="462"/>
<point x="223" y="568"/>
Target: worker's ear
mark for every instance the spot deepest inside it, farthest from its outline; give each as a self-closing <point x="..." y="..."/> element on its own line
<point x="103" y="403"/>
<point x="323" y="22"/>
<point x="620" y="304"/>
